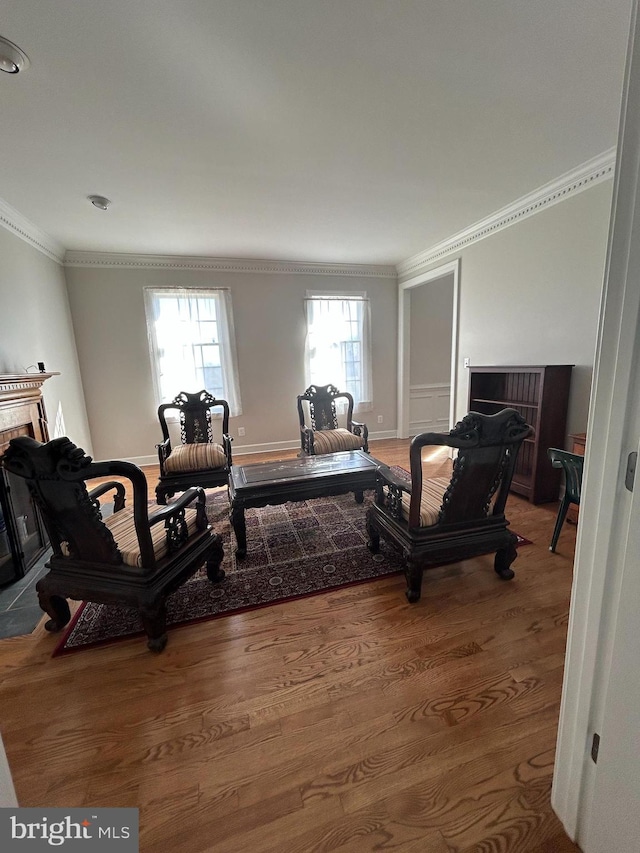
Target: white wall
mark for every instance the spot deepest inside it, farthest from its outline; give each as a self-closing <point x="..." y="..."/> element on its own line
<point x="530" y="294"/>
<point x="35" y="325"/>
<point x="108" y="312"/>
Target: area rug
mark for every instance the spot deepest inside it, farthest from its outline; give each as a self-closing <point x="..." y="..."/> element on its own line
<point x="293" y="550"/>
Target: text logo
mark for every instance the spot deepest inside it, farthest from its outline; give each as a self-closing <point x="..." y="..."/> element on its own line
<point x="69" y="829"/>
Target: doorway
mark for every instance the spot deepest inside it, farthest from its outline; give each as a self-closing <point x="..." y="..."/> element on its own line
<point x="426" y="393"/>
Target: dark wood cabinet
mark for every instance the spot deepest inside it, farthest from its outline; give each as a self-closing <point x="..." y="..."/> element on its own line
<point x="541" y="395"/>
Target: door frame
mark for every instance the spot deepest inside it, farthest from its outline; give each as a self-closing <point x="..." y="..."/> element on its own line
<point x="404" y="301"/>
<point x="599" y="562"/>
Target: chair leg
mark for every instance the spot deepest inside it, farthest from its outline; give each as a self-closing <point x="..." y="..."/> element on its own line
<point x="154" y="622"/>
<point x="373" y="537"/>
<point x="56" y="607"/>
<point x="214" y="558"/>
<point x="562" y="514"/>
<point x="359" y="497"/>
<point x="413" y="574"/>
<point x="504" y="558"/>
<point x="161" y="496"/>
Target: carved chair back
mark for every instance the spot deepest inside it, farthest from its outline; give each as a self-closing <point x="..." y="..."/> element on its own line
<point x="195" y="415"/>
<point x="56" y="474"/>
<point x="321" y="400"/>
<point x="487" y="450"/>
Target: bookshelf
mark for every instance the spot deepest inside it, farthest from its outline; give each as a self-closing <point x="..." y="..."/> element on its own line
<point x="541" y="396"/>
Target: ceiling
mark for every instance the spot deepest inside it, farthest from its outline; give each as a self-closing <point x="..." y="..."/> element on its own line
<point x="348" y="131"/>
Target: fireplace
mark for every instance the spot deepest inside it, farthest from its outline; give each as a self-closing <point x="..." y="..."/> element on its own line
<point x="22" y="535"/>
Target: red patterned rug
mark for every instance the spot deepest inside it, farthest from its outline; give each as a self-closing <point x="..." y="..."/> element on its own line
<point x="293" y="550"/>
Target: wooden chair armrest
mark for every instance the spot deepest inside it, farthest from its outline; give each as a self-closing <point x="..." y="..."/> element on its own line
<point x="173" y="516"/>
<point x="226" y="443"/>
<point x="362" y="430"/>
<point x="386" y="477"/>
<point x="177" y="506"/>
<point x="103" y="488"/>
<point x="164" y="449"/>
<point x="389" y="490"/>
<point x="306" y="434"/>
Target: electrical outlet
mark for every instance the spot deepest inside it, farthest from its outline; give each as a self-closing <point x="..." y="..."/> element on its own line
<point x="379" y="419"/>
<point x="240" y="431"/>
<point x="466" y="362"/>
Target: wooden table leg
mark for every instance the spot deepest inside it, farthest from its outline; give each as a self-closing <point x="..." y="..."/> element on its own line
<point x="239" y="528"/>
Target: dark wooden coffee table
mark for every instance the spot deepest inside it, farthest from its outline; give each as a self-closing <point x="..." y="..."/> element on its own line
<point x="270" y="483"/>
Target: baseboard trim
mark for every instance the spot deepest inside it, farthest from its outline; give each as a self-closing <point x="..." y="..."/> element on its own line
<point x="382" y="434"/>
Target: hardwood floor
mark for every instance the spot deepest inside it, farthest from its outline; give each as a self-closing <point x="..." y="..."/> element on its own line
<point x="349" y="721"/>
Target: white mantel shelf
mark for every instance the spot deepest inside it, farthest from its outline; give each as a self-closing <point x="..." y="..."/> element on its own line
<point x="18" y="385"/>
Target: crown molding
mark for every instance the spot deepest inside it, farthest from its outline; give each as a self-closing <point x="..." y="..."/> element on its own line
<point x="583" y="177"/>
<point x="19" y="225"/>
<point x="592" y="172"/>
<point x="185" y="262"/>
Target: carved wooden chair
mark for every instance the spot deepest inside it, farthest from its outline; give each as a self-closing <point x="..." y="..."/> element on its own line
<point x="199" y="460"/>
<point x="323" y="434"/>
<point x="133" y="557"/>
<point x="572" y="465"/>
<point x="436" y="521"/>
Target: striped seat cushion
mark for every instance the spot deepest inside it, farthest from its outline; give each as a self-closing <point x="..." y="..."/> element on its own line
<point x="334" y="440"/>
<point x="432" y="493"/>
<point x="195" y="457"/>
<point x="123" y="531"/>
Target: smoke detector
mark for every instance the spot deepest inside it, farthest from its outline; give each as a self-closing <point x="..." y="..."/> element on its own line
<point x="12" y="58"/>
<point x="99" y="201"/>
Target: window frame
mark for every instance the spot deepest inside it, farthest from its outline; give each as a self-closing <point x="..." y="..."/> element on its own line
<point x="225" y="341"/>
<point x="363" y="402"/>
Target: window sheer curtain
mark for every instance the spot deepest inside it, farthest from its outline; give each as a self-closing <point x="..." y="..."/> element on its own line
<point x="338" y="344"/>
<point x="192" y="343"/>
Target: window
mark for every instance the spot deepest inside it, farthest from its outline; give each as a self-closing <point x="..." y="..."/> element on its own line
<point x="192" y="343"/>
<point x="338" y="344"/>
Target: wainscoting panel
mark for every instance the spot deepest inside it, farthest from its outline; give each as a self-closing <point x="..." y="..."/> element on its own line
<point x="429" y="408"/>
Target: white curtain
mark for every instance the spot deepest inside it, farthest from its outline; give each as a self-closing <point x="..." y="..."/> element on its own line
<point x="338" y="345"/>
<point x="183" y="323"/>
<point x="228" y="353"/>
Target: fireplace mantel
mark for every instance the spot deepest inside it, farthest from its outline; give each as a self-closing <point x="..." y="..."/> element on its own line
<point x="19" y="385"/>
<point x="22" y="412"/>
<point x="21" y="406"/>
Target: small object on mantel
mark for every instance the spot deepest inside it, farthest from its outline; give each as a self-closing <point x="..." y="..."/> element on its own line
<point x="41" y="366"/>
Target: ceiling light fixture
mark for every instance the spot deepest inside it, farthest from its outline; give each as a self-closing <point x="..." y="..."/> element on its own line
<point x="99" y="201"/>
<point x="12" y="59"/>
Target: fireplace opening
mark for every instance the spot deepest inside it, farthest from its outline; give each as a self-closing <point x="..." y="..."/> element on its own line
<point x="22" y="536"/>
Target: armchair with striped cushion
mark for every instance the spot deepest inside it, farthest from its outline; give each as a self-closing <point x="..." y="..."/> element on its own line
<point x="440" y="520"/>
<point x="133" y="556"/>
<point x="202" y="458"/>
<point x="320" y="431"/>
